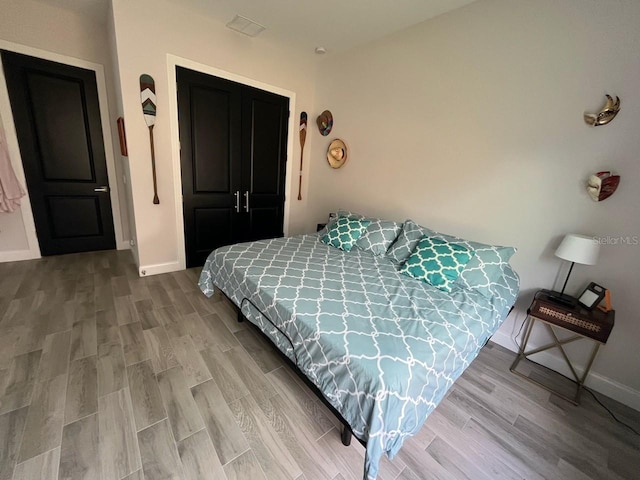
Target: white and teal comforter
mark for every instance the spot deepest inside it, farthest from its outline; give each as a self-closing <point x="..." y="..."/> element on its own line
<point x="382" y="347"/>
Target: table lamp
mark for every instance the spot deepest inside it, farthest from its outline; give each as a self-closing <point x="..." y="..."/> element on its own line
<point x="575" y="248"/>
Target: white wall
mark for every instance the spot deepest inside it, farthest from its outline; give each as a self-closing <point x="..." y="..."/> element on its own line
<point x="119" y="112"/>
<point x="52" y="29"/>
<point x="471" y="124"/>
<point x="169" y="28"/>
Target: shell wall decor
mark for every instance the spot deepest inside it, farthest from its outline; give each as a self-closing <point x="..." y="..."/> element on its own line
<point x="604" y="116"/>
<point x="602" y="185"/>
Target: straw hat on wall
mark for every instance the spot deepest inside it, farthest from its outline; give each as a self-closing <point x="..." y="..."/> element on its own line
<point x="337" y="153"/>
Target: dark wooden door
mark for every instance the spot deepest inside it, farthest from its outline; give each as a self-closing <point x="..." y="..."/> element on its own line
<point x="209" y="115"/>
<point x="57" y="117"/>
<point x="264" y="155"/>
<point x="233" y="159"/>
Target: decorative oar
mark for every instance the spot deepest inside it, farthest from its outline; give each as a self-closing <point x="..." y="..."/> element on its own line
<point x="303" y="137"/>
<point x="148" y="97"/>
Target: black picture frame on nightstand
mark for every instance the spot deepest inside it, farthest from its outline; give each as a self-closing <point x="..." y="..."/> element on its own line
<point x="592" y="296"/>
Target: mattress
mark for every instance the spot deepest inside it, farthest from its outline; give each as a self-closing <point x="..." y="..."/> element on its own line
<point x="383" y="348"/>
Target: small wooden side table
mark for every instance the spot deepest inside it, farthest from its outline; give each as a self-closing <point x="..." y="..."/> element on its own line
<point x="594" y="325"/>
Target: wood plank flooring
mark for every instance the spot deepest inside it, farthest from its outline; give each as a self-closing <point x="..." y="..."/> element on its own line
<point x="105" y="375"/>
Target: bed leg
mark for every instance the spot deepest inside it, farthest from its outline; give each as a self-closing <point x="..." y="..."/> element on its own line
<point x="240" y="316"/>
<point x="345" y="436"/>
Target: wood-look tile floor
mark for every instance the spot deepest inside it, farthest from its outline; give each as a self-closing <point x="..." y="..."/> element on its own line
<point x="104" y="375"/>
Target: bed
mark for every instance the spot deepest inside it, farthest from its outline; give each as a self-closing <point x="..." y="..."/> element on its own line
<point x="382" y="348"/>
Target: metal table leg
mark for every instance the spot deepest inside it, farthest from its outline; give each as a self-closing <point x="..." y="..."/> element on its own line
<point x="557" y="343"/>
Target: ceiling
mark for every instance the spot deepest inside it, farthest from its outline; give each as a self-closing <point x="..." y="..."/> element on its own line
<point x="334" y="24"/>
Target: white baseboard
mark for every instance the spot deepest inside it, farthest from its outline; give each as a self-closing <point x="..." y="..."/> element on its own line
<point x="148" y="270"/>
<point x="595" y="381"/>
<point x="123" y="245"/>
<point x="504" y="340"/>
<point x="17" y="255"/>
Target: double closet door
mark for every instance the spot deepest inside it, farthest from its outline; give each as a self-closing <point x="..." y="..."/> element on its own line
<point x="233" y="152"/>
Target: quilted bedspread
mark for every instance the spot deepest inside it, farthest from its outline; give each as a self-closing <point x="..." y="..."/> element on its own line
<point x="382" y="347"/>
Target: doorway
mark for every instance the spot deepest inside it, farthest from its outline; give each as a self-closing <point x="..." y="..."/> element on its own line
<point x="233" y="153"/>
<point x="57" y="117"/>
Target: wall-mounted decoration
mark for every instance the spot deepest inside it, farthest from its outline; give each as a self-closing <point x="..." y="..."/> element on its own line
<point x="122" y="135"/>
<point x="303" y="137"/>
<point x="337" y="153"/>
<point x="604" y="116"/>
<point x="325" y="123"/>
<point x="148" y="98"/>
<point x="602" y="185"/>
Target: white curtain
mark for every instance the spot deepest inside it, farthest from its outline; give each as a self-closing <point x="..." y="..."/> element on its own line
<point x="10" y="189"/>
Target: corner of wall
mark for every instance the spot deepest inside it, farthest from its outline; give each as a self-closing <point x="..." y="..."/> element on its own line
<point x="127" y="196"/>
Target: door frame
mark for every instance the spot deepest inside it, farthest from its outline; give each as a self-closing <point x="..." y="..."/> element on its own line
<point x="174" y="61"/>
<point x="16" y="157"/>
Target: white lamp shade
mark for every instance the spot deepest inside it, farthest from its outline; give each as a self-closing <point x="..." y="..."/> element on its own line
<point x="579" y="249"/>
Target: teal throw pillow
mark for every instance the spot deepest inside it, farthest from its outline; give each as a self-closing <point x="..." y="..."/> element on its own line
<point x="344" y="232"/>
<point x="378" y="236"/>
<point x="407" y="240"/>
<point x="437" y="262"/>
<point x="341" y="213"/>
<point x="485" y="268"/>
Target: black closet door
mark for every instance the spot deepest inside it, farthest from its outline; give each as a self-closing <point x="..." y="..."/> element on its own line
<point x="233" y="158"/>
<point x="57" y="117"/>
<point x="264" y="156"/>
<point x="209" y="115"/>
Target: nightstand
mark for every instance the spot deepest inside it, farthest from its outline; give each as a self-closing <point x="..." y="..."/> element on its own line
<point x="594" y="325"/>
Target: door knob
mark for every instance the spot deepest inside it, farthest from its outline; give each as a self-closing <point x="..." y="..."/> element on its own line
<point x="246" y="201"/>
<point x="101" y="189"/>
<point x="237" y="194"/>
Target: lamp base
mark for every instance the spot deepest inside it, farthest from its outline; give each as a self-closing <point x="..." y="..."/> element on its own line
<point x="562" y="299"/>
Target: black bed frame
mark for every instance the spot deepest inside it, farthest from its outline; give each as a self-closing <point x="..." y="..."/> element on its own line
<point x="346" y="433"/>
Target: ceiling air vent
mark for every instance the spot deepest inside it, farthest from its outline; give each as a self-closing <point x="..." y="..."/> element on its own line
<point x="245" y="25"/>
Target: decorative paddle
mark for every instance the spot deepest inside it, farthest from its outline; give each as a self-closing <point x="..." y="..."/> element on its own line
<point x="148" y="98"/>
<point x="303" y="137"/>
